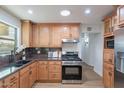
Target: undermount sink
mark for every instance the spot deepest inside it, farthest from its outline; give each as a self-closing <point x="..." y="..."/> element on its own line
<point x="21" y="62"/>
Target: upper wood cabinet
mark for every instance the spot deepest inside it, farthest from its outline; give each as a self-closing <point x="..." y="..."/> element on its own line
<point x="120" y="15"/>
<point x="35" y="42"/>
<point x="70" y="31"/>
<point x="12" y="81"/>
<point x="48" y="35"/>
<point x="44" y="35"/>
<point x="108" y="27"/>
<point x="74" y="32"/>
<point x="26" y="33"/>
<point x="56" y="36"/>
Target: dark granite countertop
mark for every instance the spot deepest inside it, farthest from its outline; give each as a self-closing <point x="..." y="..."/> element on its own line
<point x="6" y="71"/>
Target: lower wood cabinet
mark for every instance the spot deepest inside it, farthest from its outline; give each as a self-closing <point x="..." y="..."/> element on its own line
<point x="12" y="81"/>
<point x="108" y="75"/>
<point x="24" y="77"/>
<point x="32" y="74"/>
<point x="28" y="76"/>
<point x="42" y="70"/>
<point x="54" y="70"/>
<point x="49" y="70"/>
<point x="1" y="84"/>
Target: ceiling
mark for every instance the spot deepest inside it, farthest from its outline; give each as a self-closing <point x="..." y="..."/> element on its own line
<point x="51" y="13"/>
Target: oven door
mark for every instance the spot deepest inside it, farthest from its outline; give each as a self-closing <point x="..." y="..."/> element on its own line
<point x="71" y="72"/>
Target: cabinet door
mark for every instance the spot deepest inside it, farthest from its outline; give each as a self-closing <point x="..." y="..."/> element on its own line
<point x="108" y="75"/>
<point x="32" y="75"/>
<point x="75" y="31"/>
<point x="12" y="81"/>
<point x="1" y="84"/>
<point x="26" y="33"/>
<point x="109" y="56"/>
<point x="65" y="30"/>
<point x="24" y="80"/>
<point x="35" y="35"/>
<point x="107" y="26"/>
<point x="56" y="39"/>
<point x="44" y="33"/>
<point x="24" y="77"/>
<point x="120" y="14"/>
<point x="43" y="71"/>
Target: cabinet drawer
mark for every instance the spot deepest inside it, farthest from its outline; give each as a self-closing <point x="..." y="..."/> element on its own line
<point x="12" y="81"/>
<point x="55" y="68"/>
<point x="55" y="63"/>
<point x="55" y="76"/>
<point x="12" y="77"/>
<point x="109" y="56"/>
<point x="25" y="69"/>
<point x="108" y="67"/>
<point x="43" y="62"/>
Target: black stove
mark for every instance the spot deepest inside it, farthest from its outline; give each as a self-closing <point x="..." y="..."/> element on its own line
<point x="70" y="56"/>
<point x="71" y="68"/>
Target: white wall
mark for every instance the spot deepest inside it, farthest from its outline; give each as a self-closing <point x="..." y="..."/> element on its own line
<point x="9" y="19"/>
<point x="92" y="54"/>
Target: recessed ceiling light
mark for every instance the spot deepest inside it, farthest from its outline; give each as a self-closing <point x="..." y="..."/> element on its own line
<point x="30" y="11"/>
<point x="87" y="11"/>
<point x="65" y="13"/>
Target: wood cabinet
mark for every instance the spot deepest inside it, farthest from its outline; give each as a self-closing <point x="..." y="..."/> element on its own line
<point x="35" y="42"/>
<point x="120" y="15"/>
<point x="74" y="32"/>
<point x="44" y="35"/>
<point x="42" y="70"/>
<point x="12" y="81"/>
<point x="109" y="56"/>
<point x="55" y="36"/>
<point x="51" y="35"/>
<point x="1" y="83"/>
<point x="108" y="68"/>
<point x="24" y="77"/>
<point x="55" y="70"/>
<point x="108" y="75"/>
<point x="108" y="26"/>
<point x="28" y="76"/>
<point x="32" y="74"/>
<point x="70" y="31"/>
<point x="49" y="71"/>
<point x="26" y="33"/>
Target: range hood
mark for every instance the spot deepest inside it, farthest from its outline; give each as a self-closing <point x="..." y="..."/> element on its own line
<point x="70" y="40"/>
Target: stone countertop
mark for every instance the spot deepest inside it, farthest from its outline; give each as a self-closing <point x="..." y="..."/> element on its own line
<point x="6" y="71"/>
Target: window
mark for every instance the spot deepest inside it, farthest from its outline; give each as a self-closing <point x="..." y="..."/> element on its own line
<point x="7" y="39"/>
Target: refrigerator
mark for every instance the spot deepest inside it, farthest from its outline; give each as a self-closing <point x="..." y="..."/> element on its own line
<point x="119" y="58"/>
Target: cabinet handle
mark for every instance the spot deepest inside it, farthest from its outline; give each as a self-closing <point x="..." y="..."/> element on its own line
<point x="30" y="72"/>
<point x="110" y="74"/>
<point x="110" y="60"/>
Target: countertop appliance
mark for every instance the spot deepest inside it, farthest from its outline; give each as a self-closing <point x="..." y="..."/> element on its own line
<point x="71" y="68"/>
<point x="119" y="58"/>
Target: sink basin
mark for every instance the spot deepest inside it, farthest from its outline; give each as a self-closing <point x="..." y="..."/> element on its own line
<point x="21" y="62"/>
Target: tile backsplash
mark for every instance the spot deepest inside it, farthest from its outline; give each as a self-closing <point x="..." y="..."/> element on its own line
<point x="25" y="54"/>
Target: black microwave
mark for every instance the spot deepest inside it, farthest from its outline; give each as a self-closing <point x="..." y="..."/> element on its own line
<point x="109" y="43"/>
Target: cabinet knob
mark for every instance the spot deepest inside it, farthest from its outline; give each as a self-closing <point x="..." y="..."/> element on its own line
<point x="110" y="74"/>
